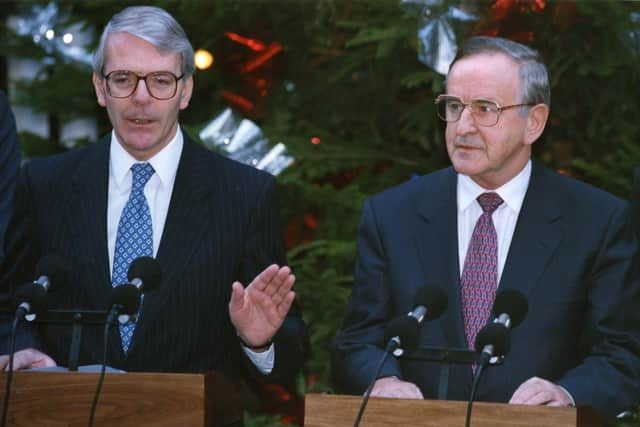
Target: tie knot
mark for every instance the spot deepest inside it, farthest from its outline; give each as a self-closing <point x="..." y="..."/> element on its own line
<point x="142" y="172"/>
<point x="489" y="202"/>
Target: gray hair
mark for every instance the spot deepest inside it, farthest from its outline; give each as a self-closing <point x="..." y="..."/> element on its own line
<point x="533" y="73"/>
<point x="153" y="25"/>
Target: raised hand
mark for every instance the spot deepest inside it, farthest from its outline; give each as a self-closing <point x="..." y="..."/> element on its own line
<point x="257" y="311"/>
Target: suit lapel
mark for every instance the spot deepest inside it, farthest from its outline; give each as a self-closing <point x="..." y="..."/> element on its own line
<point x="90" y="188"/>
<point x="537" y="234"/>
<point x="89" y="225"/>
<point x="186" y="219"/>
<point x="437" y="244"/>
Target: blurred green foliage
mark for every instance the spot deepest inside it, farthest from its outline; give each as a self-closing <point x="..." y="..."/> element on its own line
<point x="349" y="75"/>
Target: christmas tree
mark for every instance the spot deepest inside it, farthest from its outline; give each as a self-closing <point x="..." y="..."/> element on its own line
<point x="348" y="87"/>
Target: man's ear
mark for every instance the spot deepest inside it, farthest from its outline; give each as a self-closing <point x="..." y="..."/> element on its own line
<point x="98" y="86"/>
<point x="536" y="121"/>
<point x="185" y="92"/>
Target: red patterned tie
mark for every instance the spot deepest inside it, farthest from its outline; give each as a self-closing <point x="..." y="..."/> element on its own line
<point x="480" y="273"/>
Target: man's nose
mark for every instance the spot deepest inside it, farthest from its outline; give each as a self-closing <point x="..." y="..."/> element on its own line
<point x="141" y="94"/>
<point x="466" y="123"/>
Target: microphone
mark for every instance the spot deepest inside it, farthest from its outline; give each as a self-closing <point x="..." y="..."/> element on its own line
<point x="124" y="302"/>
<point x="509" y="310"/>
<point x="494" y="339"/>
<point x="144" y="275"/>
<point x="31" y="298"/>
<point x="403" y="333"/>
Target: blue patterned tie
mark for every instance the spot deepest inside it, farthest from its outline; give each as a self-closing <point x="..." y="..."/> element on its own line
<point x="134" y="238"/>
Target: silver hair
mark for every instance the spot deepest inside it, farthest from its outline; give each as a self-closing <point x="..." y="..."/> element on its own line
<point x="153" y="25"/>
<point x="533" y="73"/>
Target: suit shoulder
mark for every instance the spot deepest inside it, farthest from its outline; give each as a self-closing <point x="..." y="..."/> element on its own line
<point x="57" y="166"/>
<point x="577" y="193"/>
<point x="417" y="186"/>
<point x="232" y="170"/>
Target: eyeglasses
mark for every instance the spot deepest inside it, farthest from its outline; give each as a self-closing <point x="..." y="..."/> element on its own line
<point x="485" y="111"/>
<point x="161" y="85"/>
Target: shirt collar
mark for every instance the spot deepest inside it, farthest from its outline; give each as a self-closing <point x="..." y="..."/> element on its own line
<point x="165" y="162"/>
<point x="512" y="192"/>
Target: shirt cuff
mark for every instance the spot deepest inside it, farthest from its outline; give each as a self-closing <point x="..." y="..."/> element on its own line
<point x="264" y="360"/>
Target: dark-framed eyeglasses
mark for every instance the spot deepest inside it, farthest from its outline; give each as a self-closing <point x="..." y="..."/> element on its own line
<point x="486" y="112"/>
<point x="161" y="85"/>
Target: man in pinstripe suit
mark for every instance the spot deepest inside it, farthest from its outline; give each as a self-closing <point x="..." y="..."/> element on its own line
<point x="214" y="223"/>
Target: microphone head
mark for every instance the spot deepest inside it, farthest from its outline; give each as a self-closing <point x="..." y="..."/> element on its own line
<point x="55" y="268"/>
<point x="31" y="293"/>
<point x="513" y="303"/>
<point x="146" y="269"/>
<point x="407" y="329"/>
<point x="495" y="334"/>
<point x="127" y="297"/>
<point x="434" y="298"/>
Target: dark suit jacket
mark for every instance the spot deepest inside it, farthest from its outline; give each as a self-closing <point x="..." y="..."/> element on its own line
<point x="222" y="225"/>
<point x="9" y="163"/>
<point x="570" y="256"/>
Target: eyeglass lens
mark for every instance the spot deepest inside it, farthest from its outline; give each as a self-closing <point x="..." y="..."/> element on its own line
<point x="484" y="112"/>
<point x="161" y="85"/>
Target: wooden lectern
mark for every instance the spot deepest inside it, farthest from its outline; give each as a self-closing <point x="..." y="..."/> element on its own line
<point x="323" y="410"/>
<point x="63" y="399"/>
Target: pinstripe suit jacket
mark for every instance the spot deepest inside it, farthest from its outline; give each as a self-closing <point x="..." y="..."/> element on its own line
<point x="222" y="225"/>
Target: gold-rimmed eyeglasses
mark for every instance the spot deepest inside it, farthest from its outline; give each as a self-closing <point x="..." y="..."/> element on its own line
<point x="486" y="112"/>
<point x="161" y="85"/>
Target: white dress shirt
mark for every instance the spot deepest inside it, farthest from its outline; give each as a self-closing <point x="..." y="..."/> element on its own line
<point x="504" y="217"/>
<point x="158" y="193"/>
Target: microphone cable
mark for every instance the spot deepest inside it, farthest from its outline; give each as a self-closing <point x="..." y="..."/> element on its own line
<point x="367" y="393"/>
<point x="472" y="396"/>
<point x="7" y="390"/>
<point x="103" y="368"/>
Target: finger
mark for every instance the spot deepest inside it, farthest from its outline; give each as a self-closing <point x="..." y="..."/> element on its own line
<point x="541" y="397"/>
<point x="44" y="362"/>
<point x="237" y="297"/>
<point x="283" y="290"/>
<point x="265" y="277"/>
<point x="524" y="391"/>
<point x="284" y="307"/>
<point x="4" y="362"/>
<point x="286" y="286"/>
<point x="278" y="281"/>
<point x="31" y="358"/>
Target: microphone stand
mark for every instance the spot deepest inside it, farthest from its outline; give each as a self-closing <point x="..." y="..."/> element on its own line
<point x="449" y="356"/>
<point x="446" y="357"/>
<point x="391" y="347"/>
<point x="474" y="387"/>
<point x="12" y="350"/>
<point x="78" y="319"/>
<point x="103" y="368"/>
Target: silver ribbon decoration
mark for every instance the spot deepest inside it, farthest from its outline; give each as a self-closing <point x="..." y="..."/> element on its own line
<point x="436" y="38"/>
<point x="242" y="140"/>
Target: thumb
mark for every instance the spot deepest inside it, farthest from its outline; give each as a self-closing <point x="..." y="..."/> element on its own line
<point x="237" y="297"/>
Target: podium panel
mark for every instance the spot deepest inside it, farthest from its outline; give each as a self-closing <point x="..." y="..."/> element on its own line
<point x="323" y="410"/>
<point x="63" y="399"/>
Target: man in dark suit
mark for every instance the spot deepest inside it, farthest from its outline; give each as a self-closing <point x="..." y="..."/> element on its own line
<point x="9" y="163"/>
<point x="497" y="220"/>
<point x="210" y="222"/>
